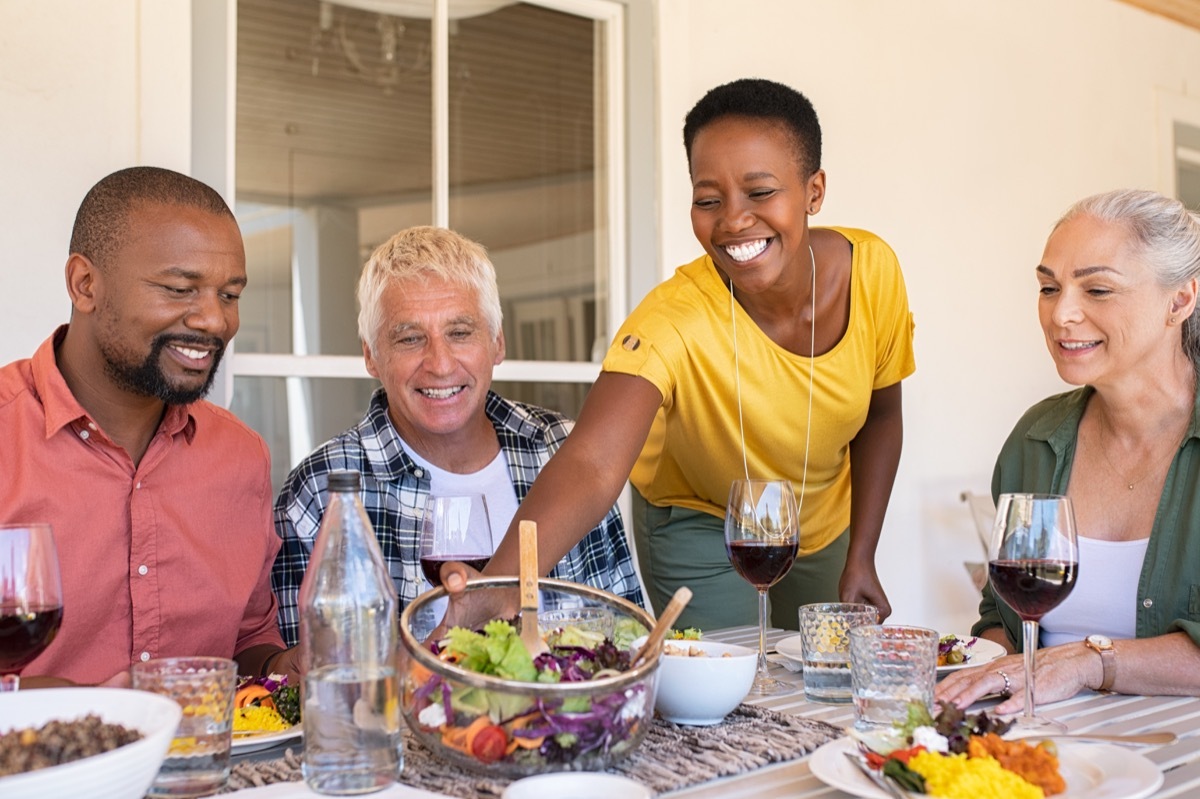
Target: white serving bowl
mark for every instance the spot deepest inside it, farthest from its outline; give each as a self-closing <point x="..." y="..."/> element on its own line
<point x="123" y="773"/>
<point x="702" y="690"/>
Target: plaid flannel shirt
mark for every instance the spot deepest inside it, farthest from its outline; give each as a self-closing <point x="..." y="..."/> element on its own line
<point x="394" y="490"/>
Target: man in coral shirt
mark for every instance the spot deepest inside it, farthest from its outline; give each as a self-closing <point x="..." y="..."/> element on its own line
<point x="160" y="502"/>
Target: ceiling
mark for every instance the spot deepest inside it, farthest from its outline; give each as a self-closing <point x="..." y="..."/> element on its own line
<point x="334" y="105"/>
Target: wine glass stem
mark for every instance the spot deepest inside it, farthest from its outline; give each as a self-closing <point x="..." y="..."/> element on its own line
<point x="1030" y="631"/>
<point x="762" y="634"/>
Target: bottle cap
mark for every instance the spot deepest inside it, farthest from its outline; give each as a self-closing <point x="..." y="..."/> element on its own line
<point x="343" y="480"/>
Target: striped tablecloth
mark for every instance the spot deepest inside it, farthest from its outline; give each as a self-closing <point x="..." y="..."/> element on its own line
<point x="1087" y="712"/>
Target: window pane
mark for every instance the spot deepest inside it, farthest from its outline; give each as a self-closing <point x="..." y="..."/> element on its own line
<point x="524" y="171"/>
<point x="566" y="398"/>
<point x="295" y="415"/>
<point x="334" y="115"/>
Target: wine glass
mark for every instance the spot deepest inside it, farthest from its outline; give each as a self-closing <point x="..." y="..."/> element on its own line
<point x="1032" y="561"/>
<point x="30" y="598"/>
<point x="454" y="528"/>
<point x="762" y="536"/>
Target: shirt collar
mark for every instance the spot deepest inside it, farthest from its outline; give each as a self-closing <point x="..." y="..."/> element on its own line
<point x="62" y="409"/>
<point x="1059" y="428"/>
<point x="382" y="444"/>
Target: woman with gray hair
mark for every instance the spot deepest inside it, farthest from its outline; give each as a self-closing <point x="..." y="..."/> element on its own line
<point x="1118" y="284"/>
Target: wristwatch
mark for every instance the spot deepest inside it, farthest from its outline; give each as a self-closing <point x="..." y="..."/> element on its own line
<point x="1103" y="646"/>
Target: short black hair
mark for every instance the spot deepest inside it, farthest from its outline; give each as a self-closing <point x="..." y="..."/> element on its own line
<point x="757" y="98"/>
<point x="100" y="223"/>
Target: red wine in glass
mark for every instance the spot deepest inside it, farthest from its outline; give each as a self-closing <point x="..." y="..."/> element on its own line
<point x="760" y="563"/>
<point x="431" y="566"/>
<point x="1032" y="587"/>
<point x="1032" y="561"/>
<point x="25" y="633"/>
<point x="31" y="606"/>
<point x="762" y="536"/>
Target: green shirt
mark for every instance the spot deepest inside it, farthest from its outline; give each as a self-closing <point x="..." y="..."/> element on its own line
<point x="1037" y="458"/>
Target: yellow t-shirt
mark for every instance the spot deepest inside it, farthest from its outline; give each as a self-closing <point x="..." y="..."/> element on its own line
<point x="679" y="338"/>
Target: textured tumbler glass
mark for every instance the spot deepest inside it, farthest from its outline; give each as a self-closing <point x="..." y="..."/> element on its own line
<point x="197" y="763"/>
<point x="891" y="666"/>
<point x="825" y="637"/>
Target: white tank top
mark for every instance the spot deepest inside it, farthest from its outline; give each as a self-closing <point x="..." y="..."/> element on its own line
<point x="1104" y="599"/>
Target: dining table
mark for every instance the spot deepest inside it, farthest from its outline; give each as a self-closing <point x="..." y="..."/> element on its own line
<point x="1087" y="712"/>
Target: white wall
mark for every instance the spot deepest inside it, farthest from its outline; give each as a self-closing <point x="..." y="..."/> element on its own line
<point x="86" y="87"/>
<point x="959" y="132"/>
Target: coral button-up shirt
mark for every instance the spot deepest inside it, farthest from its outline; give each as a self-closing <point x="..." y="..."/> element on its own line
<point x="167" y="558"/>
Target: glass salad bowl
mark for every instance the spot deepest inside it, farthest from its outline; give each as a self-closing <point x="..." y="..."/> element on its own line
<point x="477" y="699"/>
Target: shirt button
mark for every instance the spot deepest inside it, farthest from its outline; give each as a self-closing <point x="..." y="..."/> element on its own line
<point x="145" y="656"/>
<point x="84" y="434"/>
<point x="142" y="570"/>
<point x="91" y="426"/>
<point x="139" y="485"/>
<point x="1147" y="603"/>
<point x="419" y="472"/>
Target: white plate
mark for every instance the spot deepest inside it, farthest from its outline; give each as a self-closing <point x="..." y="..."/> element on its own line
<point x="577" y="785"/>
<point x="253" y="743"/>
<point x="1092" y="771"/>
<point x="791" y="648"/>
<point x="982" y="651"/>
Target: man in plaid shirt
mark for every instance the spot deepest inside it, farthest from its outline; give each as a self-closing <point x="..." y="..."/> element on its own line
<point x="429" y="321"/>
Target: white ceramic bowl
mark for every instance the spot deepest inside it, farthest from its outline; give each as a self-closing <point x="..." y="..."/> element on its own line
<point x="579" y="785"/>
<point x="124" y="773"/>
<point x="701" y="691"/>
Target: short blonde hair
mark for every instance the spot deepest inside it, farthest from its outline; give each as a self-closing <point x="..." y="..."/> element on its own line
<point x="419" y="254"/>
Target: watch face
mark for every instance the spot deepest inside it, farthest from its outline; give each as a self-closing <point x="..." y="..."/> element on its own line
<point x="1102" y="641"/>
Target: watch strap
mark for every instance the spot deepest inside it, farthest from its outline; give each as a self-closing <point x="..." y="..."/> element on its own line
<point x="1108" y="662"/>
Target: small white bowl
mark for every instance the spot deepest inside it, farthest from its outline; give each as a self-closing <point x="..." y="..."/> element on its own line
<point x="577" y="785"/>
<point x="123" y="773"/>
<point x="702" y="690"/>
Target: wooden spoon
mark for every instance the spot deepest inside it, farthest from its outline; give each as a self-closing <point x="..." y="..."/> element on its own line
<point x="1137" y="738"/>
<point x="665" y="620"/>
<point x="531" y="636"/>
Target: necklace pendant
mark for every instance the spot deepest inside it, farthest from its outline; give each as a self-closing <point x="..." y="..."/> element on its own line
<point x="1131" y="486"/>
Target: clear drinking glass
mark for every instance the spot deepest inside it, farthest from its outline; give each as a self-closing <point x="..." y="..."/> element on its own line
<point x="1032" y="562"/>
<point x="762" y="537"/>
<point x="31" y="605"/>
<point x="197" y="763"/>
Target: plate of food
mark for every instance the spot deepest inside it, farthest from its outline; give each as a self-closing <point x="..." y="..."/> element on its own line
<point x="915" y="758"/>
<point x="267" y="712"/>
<point x="964" y="651"/>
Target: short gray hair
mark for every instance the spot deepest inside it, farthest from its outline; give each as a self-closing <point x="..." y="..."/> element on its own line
<point x="420" y="254"/>
<point x="1164" y="233"/>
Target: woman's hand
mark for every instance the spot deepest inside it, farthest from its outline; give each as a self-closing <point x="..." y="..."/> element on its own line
<point x="469" y="610"/>
<point x="1062" y="671"/>
<point x="860" y="583"/>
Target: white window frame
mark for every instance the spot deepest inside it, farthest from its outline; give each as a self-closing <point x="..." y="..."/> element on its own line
<point x="213" y="138"/>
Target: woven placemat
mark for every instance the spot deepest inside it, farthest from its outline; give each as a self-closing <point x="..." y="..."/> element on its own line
<point x="670" y="758"/>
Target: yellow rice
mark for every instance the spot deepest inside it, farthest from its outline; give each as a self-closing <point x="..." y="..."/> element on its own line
<point x="253" y="717"/>
<point x="957" y="777"/>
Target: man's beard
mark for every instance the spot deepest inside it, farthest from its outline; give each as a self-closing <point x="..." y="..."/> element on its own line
<point x="148" y="379"/>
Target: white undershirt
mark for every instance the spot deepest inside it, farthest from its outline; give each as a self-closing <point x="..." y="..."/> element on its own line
<point x="1104" y="599"/>
<point x="493" y="481"/>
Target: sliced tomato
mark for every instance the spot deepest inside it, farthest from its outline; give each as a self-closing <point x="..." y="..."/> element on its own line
<point x="489" y="744"/>
<point x="904" y="755"/>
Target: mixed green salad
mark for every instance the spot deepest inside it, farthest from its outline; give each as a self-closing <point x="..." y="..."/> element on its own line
<point x="493" y="726"/>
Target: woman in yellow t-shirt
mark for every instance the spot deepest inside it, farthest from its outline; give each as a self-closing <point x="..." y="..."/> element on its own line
<point x="824" y="308"/>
